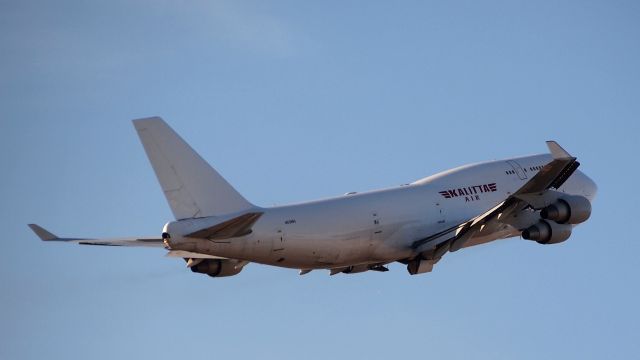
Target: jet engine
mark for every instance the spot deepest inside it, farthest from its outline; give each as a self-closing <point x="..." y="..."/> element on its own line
<point x="547" y="232"/>
<point x="217" y="267"/>
<point x="568" y="210"/>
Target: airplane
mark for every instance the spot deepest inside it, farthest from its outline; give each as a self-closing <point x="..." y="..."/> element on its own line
<point x="218" y="232"/>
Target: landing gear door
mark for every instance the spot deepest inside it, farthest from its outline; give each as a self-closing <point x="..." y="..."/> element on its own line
<point x="518" y="169"/>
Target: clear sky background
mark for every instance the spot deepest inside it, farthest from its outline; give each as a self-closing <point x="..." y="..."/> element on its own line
<point x="294" y="101"/>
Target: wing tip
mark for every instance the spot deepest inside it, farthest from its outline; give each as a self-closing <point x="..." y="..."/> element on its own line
<point x="42" y="233"/>
<point x="557" y="151"/>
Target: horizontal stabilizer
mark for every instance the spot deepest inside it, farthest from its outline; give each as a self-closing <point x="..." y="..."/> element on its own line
<point x="236" y="227"/>
<point x="127" y="241"/>
<point x="190" y="255"/>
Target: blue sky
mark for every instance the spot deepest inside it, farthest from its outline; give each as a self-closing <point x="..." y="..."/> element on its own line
<point x="293" y="101"/>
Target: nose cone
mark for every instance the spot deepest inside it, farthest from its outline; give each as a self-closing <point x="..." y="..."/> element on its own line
<point x="589" y="187"/>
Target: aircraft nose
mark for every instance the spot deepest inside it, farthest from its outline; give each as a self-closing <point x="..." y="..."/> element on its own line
<point x="590" y="188"/>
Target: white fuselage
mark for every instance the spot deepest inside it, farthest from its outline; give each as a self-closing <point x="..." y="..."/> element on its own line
<point x="375" y="227"/>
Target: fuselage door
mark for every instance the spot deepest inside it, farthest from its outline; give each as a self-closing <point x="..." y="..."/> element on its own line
<point x="278" y="244"/>
<point x="518" y="169"/>
<point x="377" y="226"/>
<point x="440" y="216"/>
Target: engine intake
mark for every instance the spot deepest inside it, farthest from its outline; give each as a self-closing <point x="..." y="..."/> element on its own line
<point x="545" y="232"/>
<point x="568" y="210"/>
<point x="217" y="267"/>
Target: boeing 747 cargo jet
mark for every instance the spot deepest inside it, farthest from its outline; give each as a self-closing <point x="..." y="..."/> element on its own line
<point x="218" y="232"/>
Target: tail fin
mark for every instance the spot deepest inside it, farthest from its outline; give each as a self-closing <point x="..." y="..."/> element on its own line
<point x="192" y="187"/>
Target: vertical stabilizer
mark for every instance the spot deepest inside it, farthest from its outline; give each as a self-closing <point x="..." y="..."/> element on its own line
<point x="192" y="187"/>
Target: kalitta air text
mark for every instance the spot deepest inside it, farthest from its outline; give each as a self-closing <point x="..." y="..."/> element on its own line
<point x="469" y="191"/>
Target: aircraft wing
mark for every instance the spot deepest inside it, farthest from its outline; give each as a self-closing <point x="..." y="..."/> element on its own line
<point x="552" y="175"/>
<point x="531" y="194"/>
<point x="129" y="241"/>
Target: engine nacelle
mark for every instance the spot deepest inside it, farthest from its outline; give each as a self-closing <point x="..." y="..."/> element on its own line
<point x="568" y="210"/>
<point x="545" y="232"/>
<point x="217" y="267"/>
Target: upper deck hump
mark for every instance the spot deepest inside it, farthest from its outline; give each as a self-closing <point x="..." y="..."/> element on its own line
<point x="523" y="161"/>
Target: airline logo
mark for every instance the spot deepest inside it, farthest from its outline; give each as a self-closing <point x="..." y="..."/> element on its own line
<point x="469" y="191"/>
